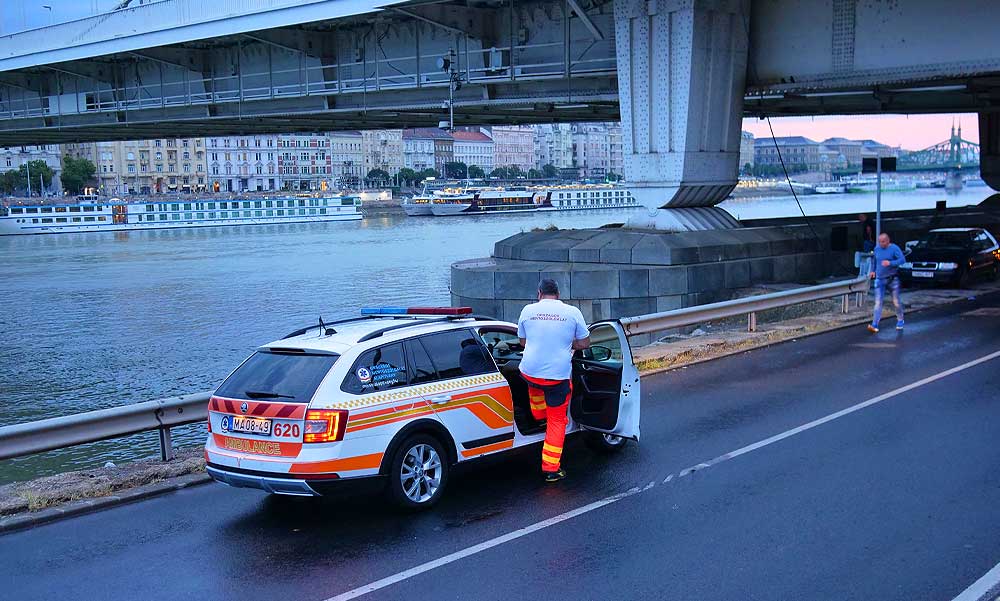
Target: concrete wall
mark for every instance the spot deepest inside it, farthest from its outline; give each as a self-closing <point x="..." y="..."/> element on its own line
<point x="611" y="273"/>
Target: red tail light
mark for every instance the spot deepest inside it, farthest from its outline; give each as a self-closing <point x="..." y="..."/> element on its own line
<point x="325" y="425"/>
<point x="208" y="422"/>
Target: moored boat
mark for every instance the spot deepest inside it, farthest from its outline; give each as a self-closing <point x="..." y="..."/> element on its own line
<point x="92" y="214"/>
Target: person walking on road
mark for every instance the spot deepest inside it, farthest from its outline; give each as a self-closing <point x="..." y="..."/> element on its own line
<point x="888" y="257"/>
<point x="550" y="331"/>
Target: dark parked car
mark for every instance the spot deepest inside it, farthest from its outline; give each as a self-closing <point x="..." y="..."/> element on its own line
<point x="953" y="256"/>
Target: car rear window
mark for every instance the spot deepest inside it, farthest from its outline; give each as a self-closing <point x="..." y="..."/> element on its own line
<point x="278" y="377"/>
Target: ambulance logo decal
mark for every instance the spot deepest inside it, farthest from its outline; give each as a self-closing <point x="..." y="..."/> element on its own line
<point x="364" y="375"/>
<point x="225" y="425"/>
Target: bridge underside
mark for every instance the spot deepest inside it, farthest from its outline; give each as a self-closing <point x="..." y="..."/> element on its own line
<point x="679" y="73"/>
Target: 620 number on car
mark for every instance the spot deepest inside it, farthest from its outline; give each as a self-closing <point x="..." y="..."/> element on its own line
<point x="286" y="430"/>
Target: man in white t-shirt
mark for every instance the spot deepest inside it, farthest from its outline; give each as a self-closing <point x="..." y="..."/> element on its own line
<point x="550" y="331"/>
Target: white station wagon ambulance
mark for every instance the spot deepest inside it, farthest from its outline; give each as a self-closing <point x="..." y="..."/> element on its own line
<point x="398" y="396"/>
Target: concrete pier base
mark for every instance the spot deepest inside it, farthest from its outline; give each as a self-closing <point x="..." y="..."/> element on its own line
<point x="616" y="272"/>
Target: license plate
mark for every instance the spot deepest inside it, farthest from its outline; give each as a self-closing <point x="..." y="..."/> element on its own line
<point x="923" y="274"/>
<point x="250" y="425"/>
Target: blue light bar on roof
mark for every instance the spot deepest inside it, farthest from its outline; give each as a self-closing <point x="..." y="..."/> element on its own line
<point x="383" y="311"/>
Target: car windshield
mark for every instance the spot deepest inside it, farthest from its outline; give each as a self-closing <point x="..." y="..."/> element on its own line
<point x="944" y="240"/>
<point x="279" y="377"/>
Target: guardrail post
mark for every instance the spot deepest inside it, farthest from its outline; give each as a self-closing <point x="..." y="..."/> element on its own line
<point x="166" y="445"/>
<point x="751" y="322"/>
<point x="845" y="304"/>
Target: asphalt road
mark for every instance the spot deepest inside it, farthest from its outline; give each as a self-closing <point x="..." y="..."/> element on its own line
<point x="896" y="500"/>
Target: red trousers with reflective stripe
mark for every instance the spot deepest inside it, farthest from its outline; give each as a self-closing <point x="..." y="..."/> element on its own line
<point x="555" y="421"/>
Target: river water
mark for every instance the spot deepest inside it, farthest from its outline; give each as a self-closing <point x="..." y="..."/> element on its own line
<point x="97" y="320"/>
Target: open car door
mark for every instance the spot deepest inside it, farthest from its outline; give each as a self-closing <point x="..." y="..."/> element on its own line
<point x="606" y="383"/>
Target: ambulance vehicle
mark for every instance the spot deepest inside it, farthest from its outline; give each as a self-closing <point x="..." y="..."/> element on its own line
<point x="397" y="397"/>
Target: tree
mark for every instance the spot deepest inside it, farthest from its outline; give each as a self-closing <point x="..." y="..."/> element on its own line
<point x="408" y="176"/>
<point x="747" y="169"/>
<point x="455" y="169"/>
<point x="380" y="176"/>
<point x="426" y="173"/>
<point x="77" y="173"/>
<point x="550" y="171"/>
<point x="613" y="177"/>
<point x="514" y="172"/>
<point x="9" y="181"/>
<point x="476" y="172"/>
<point x="534" y="174"/>
<point x="36" y="168"/>
<point x="499" y="173"/>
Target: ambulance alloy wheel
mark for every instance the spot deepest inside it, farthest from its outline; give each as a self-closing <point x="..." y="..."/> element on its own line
<point x="419" y="472"/>
<point x="604" y="443"/>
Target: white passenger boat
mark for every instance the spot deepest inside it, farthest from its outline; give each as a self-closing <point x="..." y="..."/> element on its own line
<point x="830" y="188"/>
<point x="470" y="200"/>
<point x="92" y="214"/>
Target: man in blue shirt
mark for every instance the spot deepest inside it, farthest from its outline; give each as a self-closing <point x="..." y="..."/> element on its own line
<point x="885" y="266"/>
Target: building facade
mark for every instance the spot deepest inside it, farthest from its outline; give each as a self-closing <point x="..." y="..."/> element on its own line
<point x="347" y="158"/>
<point x="418" y="149"/>
<point x="158" y="166"/>
<point x="12" y="158"/>
<point x="382" y="149"/>
<point x="746" y="150"/>
<point x="513" y="145"/>
<point x="243" y="163"/>
<point x="797" y="152"/>
<point x="474" y="148"/>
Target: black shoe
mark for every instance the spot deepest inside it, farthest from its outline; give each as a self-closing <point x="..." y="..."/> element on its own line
<point x="555" y="476"/>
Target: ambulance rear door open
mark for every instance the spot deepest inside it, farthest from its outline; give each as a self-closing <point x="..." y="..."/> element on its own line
<point x="606" y="383"/>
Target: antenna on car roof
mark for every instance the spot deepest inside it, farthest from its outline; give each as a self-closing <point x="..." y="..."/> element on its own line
<point x="323" y="330"/>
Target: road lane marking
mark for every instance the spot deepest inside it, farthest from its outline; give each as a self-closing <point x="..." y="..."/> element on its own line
<point x="516" y="534"/>
<point x="982" y="586"/>
<point x="483" y="546"/>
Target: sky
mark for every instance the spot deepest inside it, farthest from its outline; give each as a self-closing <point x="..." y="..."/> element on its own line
<point x="912" y="132"/>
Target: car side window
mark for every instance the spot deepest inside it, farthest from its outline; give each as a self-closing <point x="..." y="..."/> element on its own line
<point x="421" y="367"/>
<point x="378" y="369"/>
<point x="457" y="354"/>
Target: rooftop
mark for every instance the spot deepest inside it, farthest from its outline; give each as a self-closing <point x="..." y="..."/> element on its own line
<point x="786" y="141"/>
<point x="471" y="136"/>
<point x="426" y="133"/>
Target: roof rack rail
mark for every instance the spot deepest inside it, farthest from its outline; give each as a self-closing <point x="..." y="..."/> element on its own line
<point x="416" y="322"/>
<point x="409" y="323"/>
<point x="302" y="331"/>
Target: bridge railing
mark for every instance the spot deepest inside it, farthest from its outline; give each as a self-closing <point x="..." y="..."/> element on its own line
<point x="161" y="415"/>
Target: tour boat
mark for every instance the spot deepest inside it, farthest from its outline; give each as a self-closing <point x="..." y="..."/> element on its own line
<point x="91" y="214"/>
<point x="520" y="199"/>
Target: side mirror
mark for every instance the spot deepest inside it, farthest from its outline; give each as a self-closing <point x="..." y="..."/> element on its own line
<point x="596" y="353"/>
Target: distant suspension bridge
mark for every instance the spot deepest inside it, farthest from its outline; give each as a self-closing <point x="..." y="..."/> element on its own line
<point x="955" y="153"/>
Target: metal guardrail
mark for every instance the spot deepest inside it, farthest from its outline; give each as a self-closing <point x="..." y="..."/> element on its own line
<point x="70" y="430"/>
<point x="750" y="306"/>
<point x="161" y="415"/>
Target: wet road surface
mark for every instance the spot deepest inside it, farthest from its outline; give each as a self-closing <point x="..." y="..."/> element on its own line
<point x="896" y="500"/>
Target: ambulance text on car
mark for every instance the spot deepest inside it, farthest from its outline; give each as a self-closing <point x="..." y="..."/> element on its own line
<point x="398" y="396"/>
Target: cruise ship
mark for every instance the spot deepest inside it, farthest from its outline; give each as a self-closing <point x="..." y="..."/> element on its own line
<point x="460" y="199"/>
<point x="91" y="214"/>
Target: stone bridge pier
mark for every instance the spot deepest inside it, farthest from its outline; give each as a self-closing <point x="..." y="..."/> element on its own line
<point x="681" y="78"/>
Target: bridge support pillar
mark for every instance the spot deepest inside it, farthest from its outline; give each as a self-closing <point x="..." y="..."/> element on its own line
<point x="989" y="149"/>
<point x="681" y="75"/>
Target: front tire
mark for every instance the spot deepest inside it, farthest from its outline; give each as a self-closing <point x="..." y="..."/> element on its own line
<point x="604" y="443"/>
<point x="418" y="473"/>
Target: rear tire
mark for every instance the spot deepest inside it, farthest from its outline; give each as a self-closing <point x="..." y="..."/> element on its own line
<point x="418" y="473"/>
<point x="604" y="443"/>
